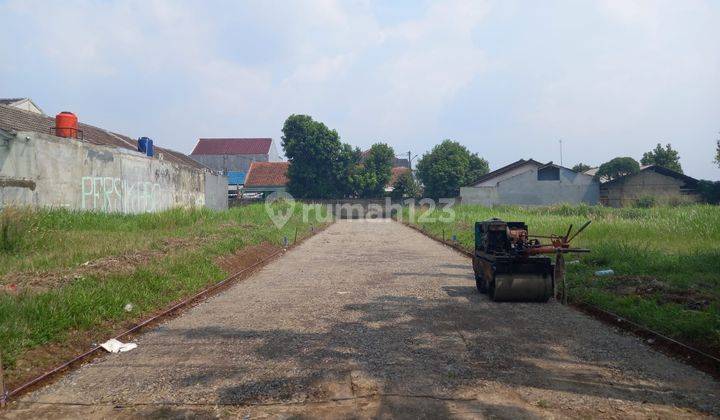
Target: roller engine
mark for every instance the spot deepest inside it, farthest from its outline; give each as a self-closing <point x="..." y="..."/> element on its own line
<point x="511" y="265"/>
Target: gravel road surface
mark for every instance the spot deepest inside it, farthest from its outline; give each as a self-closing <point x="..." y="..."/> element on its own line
<point x="372" y="319"/>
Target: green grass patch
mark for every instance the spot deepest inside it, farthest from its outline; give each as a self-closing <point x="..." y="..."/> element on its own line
<point x="666" y="260"/>
<point x="57" y="239"/>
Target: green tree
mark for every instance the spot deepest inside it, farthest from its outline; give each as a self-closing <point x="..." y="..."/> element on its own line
<point x="478" y="167"/>
<point x="376" y="170"/>
<point x="347" y="171"/>
<point x="709" y="191"/>
<point x="406" y="186"/>
<point x="616" y="168"/>
<point x="447" y="167"/>
<point x="667" y="158"/>
<point x="717" y="153"/>
<point x="581" y="167"/>
<point x="315" y="154"/>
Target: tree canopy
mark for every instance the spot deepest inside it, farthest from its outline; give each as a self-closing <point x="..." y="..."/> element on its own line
<point x="376" y="170"/>
<point x="406" y="186"/>
<point x="665" y="157"/>
<point x="323" y="167"/>
<point x="717" y="153"/>
<point x="320" y="165"/>
<point x="447" y="167"/>
<point x="581" y="167"/>
<point x="616" y="168"/>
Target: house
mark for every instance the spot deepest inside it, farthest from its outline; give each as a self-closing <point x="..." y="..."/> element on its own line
<point x="266" y="177"/>
<point x="233" y="156"/>
<point x="662" y="184"/>
<point x="95" y="169"/>
<point x="529" y="182"/>
<point x="25" y="104"/>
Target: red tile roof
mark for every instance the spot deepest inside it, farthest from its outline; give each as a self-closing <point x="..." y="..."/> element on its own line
<point x="20" y="120"/>
<point x="254" y="146"/>
<point x="396" y="172"/>
<point x="267" y="174"/>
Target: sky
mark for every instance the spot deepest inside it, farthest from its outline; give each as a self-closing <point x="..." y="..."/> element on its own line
<point x="507" y="79"/>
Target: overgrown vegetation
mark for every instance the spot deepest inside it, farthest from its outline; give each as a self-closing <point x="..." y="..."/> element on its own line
<point x="46" y="241"/>
<point x="666" y="260"/>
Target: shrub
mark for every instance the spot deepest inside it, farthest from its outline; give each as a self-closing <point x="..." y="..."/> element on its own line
<point x="645" y="202"/>
<point x="709" y="191"/>
<point x="14" y="227"/>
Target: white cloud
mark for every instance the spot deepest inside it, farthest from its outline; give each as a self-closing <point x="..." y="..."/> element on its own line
<point x="628" y="70"/>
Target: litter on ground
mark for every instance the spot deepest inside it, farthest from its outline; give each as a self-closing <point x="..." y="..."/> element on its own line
<point x="116" y="346"/>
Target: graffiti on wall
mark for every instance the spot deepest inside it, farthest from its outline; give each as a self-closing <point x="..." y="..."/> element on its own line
<point x="118" y="195"/>
<point x="112" y="194"/>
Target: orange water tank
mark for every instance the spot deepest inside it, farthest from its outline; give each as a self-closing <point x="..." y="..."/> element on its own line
<point x="66" y="125"/>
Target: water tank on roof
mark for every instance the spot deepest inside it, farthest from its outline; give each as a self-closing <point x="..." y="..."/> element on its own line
<point x="145" y="145"/>
<point x="66" y="125"/>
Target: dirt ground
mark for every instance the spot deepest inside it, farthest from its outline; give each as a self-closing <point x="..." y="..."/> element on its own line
<point x="372" y="319"/>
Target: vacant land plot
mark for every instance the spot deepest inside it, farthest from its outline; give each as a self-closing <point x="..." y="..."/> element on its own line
<point x="371" y="319"/>
<point x="666" y="260"/>
<point x="69" y="279"/>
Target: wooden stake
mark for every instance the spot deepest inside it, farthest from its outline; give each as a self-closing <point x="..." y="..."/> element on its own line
<point x="3" y="391"/>
<point x="560" y="276"/>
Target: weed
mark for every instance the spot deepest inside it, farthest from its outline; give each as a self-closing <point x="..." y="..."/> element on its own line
<point x="676" y="246"/>
<point x="31" y="319"/>
<point x="15" y="224"/>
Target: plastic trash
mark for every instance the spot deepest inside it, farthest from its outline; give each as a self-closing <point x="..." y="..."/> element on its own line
<point x="129" y="307"/>
<point x="116" y="346"/>
<point x="573" y="262"/>
<point x="607" y="272"/>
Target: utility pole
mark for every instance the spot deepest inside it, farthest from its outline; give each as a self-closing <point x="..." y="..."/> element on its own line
<point x="561" y="154"/>
<point x="410" y="159"/>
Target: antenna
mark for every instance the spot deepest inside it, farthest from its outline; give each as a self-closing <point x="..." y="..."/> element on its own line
<point x="561" y="154"/>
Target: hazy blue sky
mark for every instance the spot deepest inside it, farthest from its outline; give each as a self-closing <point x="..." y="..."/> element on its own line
<point x="505" y="78"/>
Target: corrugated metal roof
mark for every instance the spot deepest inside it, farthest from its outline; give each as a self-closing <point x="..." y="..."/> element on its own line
<point x="19" y="120"/>
<point x="236" y="177"/>
<point x="232" y="146"/>
<point x="505" y="169"/>
<point x="267" y="174"/>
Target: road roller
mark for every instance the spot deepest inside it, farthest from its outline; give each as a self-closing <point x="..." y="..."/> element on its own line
<point x="511" y="265"/>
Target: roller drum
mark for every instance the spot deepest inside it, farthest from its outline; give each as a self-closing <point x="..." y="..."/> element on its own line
<point x="521" y="287"/>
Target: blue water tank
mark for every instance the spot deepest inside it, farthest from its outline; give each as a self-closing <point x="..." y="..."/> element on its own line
<point x="145" y="145"/>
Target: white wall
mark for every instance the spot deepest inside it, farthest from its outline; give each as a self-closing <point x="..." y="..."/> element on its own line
<point x="525" y="189"/>
<point x="41" y="170"/>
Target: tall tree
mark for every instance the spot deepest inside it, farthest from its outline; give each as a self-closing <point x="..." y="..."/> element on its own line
<point x="581" y="167"/>
<point x="313" y="151"/>
<point x="377" y="170"/>
<point x="665" y="157"/>
<point x="616" y="168"/>
<point x="478" y="167"/>
<point x="447" y="167"/>
<point x="348" y="171"/>
<point x="717" y="153"/>
<point x="406" y="186"/>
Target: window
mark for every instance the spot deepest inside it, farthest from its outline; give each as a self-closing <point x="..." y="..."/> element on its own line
<point x="548" y="173"/>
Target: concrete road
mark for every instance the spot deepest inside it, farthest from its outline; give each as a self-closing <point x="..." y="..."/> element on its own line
<point x="372" y="319"/>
